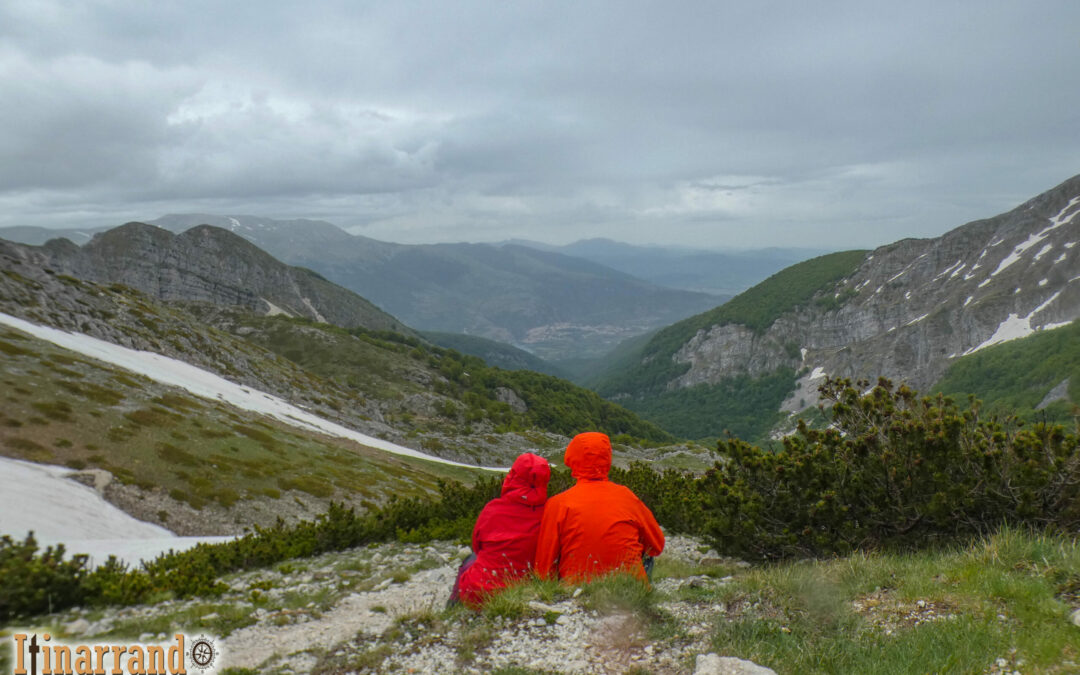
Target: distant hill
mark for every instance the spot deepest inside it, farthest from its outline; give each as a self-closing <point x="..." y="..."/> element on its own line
<point x="553" y="305"/>
<point x="36" y="236"/>
<point x="494" y="353"/>
<point x="719" y="272"/>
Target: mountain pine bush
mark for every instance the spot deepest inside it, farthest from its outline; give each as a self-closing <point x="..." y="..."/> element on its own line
<point x="894" y="469"/>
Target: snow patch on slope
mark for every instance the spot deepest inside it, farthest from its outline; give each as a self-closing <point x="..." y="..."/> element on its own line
<point x="318" y="317"/>
<point x="41" y="498"/>
<point x="274" y="309"/>
<point x="1016" y="327"/>
<point x="207" y="385"/>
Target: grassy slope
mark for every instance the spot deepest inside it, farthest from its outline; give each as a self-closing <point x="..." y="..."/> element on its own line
<point x="744" y="406"/>
<point x="952" y="611"/>
<point x="1014" y="377"/>
<point x="1008" y="597"/>
<point x="396" y="366"/>
<point x="62" y="408"/>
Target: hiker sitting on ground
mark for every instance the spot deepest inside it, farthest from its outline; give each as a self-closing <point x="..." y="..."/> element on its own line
<point x="595" y="527"/>
<point x="504" y="538"/>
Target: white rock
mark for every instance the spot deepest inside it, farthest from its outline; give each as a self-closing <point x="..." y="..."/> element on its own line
<point x="146" y="637"/>
<point x="1076" y="618"/>
<point x="562" y="620"/>
<point x="577" y="591"/>
<point x="77" y="627"/>
<point x="209" y="617"/>
<point x="712" y="664"/>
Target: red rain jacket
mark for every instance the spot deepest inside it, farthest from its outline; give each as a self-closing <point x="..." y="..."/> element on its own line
<point x="504" y="538"/>
<point x="596" y="526"/>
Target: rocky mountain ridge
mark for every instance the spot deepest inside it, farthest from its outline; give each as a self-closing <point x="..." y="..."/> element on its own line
<point x="907" y="310"/>
<point x="206" y="264"/>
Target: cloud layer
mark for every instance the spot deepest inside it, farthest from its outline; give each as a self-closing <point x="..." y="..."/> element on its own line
<point x="832" y="124"/>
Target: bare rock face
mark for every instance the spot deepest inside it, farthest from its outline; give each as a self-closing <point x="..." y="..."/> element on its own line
<point x="511" y="398"/>
<point x="915" y="305"/>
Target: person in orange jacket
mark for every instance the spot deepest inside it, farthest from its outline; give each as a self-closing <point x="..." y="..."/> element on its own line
<point x="595" y="527"/>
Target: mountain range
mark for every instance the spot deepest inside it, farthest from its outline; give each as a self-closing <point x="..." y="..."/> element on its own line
<point x="553" y="305"/>
<point x="724" y="273"/>
<point x="907" y="311"/>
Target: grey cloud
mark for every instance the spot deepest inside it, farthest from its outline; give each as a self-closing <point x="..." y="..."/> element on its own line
<point x="818" y="124"/>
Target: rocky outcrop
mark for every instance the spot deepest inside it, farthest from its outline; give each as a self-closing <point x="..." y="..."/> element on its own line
<point x="915" y="305"/>
<point x="204" y="264"/>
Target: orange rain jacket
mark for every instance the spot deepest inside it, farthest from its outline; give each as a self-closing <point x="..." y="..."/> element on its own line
<point x="596" y="526"/>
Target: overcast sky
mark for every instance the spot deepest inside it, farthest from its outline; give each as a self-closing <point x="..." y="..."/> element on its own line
<point x="719" y="124"/>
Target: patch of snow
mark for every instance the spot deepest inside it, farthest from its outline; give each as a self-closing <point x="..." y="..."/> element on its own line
<point x="878" y="290"/>
<point x="234" y="223"/>
<point x="1070" y="244"/>
<point x="1012" y="328"/>
<point x="1043" y="282"/>
<point x="957" y="271"/>
<point x="1012" y="257"/>
<point x="950" y="269"/>
<point x="1052" y="326"/>
<point x="1064" y="217"/>
<point x="41" y="498"/>
<point x="318" y="317"/>
<point x="907" y="296"/>
<point x="1016" y="326"/>
<point x="817" y="373"/>
<point x="995" y="242"/>
<point x="897" y="275"/>
<point x="986" y="281"/>
<point x="1016" y="291"/>
<point x="207" y="385"/>
<point x="1043" y="251"/>
<point x="274" y="309"/>
<point x="968" y="301"/>
<point x="803" y="352"/>
<point x="917" y="319"/>
<point x="1045" y="304"/>
<point x="1061" y="258"/>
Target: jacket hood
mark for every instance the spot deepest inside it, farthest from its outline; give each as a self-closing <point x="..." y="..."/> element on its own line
<point x="589" y="456"/>
<point x="527" y="481"/>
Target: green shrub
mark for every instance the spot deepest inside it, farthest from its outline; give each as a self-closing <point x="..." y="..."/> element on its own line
<point x="36" y="583"/>
<point x="894" y="470"/>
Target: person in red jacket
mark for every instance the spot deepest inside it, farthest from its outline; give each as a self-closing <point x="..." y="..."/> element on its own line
<point x="595" y="527"/>
<point x="504" y="538"/>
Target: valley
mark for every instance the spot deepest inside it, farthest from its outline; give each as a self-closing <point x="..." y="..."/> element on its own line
<point x="199" y="385"/>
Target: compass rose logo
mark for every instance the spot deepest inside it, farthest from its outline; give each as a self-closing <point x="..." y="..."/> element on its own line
<point x="202" y="652"/>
